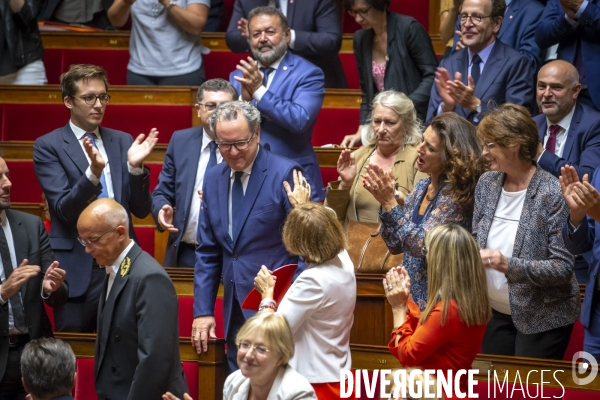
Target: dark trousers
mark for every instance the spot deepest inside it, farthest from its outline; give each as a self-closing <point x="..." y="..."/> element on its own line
<point x="186" y="255"/>
<point x="80" y="313"/>
<point x="591" y="338"/>
<point x="11" y="387"/>
<point x="236" y="321"/>
<point x="502" y="337"/>
<point x="195" y="78"/>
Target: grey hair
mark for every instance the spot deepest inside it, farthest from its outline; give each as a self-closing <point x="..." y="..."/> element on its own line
<point x="48" y="367"/>
<point x="405" y="109"/>
<point x="116" y="216"/>
<point x="229" y="112"/>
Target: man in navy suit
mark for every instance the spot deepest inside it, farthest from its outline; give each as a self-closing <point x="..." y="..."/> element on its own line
<point x="518" y="29"/>
<point x="244" y="206"/>
<point x="316" y="33"/>
<point x="287" y="90"/>
<point x="77" y="164"/>
<point x="190" y="154"/>
<point x="581" y="234"/>
<point x="575" y="26"/>
<point x="487" y="71"/>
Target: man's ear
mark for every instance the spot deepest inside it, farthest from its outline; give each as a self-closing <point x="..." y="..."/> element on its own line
<point x="497" y="24"/>
<point x="68" y="101"/>
<point x="288" y="35"/>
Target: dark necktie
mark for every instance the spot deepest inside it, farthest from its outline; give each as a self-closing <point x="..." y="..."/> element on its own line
<point x="104" y="192"/>
<point x="212" y="161"/>
<point x="475" y="69"/>
<point x="15" y="301"/>
<point x="266" y="71"/>
<point x="237" y="198"/>
<point x="551" y="143"/>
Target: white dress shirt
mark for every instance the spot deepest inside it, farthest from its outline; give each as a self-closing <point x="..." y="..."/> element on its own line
<point x="191" y="226"/>
<point x="13" y="259"/>
<point x="561" y="136"/>
<point x="111" y="270"/>
<point x="319" y="307"/>
<point x="245" y="178"/>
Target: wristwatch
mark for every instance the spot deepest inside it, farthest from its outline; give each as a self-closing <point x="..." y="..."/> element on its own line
<point x="171" y="4"/>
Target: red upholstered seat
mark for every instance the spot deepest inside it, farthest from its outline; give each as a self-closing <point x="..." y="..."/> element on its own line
<point x="227" y="12"/>
<point x="576" y="342"/>
<point x="114" y="61"/>
<point x="333" y="124"/>
<point x="27" y="189"/>
<point x="186" y="317"/>
<point x="219" y="64"/>
<point x="146" y="239"/>
<point x="50" y="313"/>
<point x="580" y="395"/>
<point x="329" y="174"/>
<point x="53" y="64"/>
<point x="190" y="369"/>
<point x="350" y="70"/>
<point x="30" y="121"/>
<point x="85" y="386"/>
<point x="154" y="173"/>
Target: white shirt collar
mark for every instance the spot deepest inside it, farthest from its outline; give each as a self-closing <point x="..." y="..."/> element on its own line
<point x="483" y="54"/>
<point x="206" y="139"/>
<point x="114" y="268"/>
<point x="248" y="169"/>
<point x="80" y="132"/>
<point x="564" y="123"/>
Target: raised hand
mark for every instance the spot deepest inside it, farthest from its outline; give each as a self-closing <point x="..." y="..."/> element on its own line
<point x="97" y="163"/>
<point x="568" y="181"/>
<point x="462" y="94"/>
<point x="301" y="192"/>
<point x="243" y="27"/>
<point x="381" y="185"/>
<point x="165" y="218"/>
<point x="265" y="282"/>
<point x="346" y="168"/>
<point x="442" y="80"/>
<point x="53" y="278"/>
<point x="396" y="285"/>
<point x="251" y="78"/>
<point x="18" y="278"/>
<point x="140" y="148"/>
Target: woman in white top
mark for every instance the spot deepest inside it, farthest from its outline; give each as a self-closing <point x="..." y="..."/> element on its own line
<point x="518" y="218"/>
<point x="165" y="46"/>
<point x="319" y="305"/>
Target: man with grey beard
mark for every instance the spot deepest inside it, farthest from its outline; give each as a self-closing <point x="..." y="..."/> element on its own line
<point x="286" y="89"/>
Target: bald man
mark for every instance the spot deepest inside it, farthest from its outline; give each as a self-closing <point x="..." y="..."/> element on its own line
<point x="569" y="131"/>
<point x="137" y="344"/>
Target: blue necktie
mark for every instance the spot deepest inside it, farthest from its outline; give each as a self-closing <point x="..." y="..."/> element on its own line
<point x="212" y="161"/>
<point x="104" y="192"/>
<point x="237" y="198"/>
<point x="266" y="71"/>
<point x="475" y="69"/>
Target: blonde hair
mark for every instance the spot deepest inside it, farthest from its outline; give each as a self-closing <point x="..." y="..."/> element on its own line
<point x="455" y="272"/>
<point x="313" y="232"/>
<point x="405" y="109"/>
<point x="276" y="330"/>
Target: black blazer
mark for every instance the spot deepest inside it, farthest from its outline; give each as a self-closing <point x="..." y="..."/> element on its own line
<point x="411" y="66"/>
<point x="31" y="242"/>
<point x="137" y="344"/>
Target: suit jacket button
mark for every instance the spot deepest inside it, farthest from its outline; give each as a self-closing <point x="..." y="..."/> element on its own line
<point x="117" y="338"/>
<point x="235" y="257"/>
<point x="113" y="368"/>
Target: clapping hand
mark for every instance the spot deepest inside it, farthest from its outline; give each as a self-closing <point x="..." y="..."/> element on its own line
<point x="53" y="278"/>
<point x="97" y="163"/>
<point x="18" y="278"/>
<point x="396" y="285"/>
<point x="581" y="197"/>
<point x="301" y="192"/>
<point x="165" y="219"/>
<point x="265" y="282"/>
<point x="442" y="81"/>
<point x="346" y="168"/>
<point x="463" y="95"/>
<point x="140" y="148"/>
<point x="243" y="27"/>
<point x="382" y="185"/>
<point x="251" y="78"/>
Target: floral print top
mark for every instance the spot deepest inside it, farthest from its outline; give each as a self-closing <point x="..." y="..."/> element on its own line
<point x="378" y="75"/>
<point x="404" y="231"/>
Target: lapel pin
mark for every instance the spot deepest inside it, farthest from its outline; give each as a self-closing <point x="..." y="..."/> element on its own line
<point x="285" y="67"/>
<point x="510" y="17"/>
<point x="125" y="265"/>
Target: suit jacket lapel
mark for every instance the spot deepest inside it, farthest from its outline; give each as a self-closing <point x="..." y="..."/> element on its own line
<point x="571" y="134"/>
<point x="113" y="152"/>
<point x="285" y="67"/>
<point x="488" y="217"/>
<point x="73" y="149"/>
<point x="290" y="12"/>
<point x="491" y="69"/>
<point x="257" y="178"/>
<point x="191" y="161"/>
<point x="512" y="9"/>
<point x="542" y="128"/>
<point x="20" y="241"/>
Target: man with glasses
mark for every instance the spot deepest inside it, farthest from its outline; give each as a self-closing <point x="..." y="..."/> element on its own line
<point x="316" y="33"/>
<point x="245" y="203"/>
<point x="137" y="344"/>
<point x="77" y="164"/>
<point x="191" y="153"/>
<point x="487" y="72"/>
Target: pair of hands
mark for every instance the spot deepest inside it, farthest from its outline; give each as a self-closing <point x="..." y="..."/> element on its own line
<point x="138" y="151"/>
<point x="396" y="286"/>
<point x="581" y="197"/>
<point x="53" y="278"/>
<point x="571" y="7"/>
<point x="251" y="78"/>
<point x="454" y="92"/>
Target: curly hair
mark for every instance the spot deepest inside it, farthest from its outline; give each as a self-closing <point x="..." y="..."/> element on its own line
<point x="461" y="156"/>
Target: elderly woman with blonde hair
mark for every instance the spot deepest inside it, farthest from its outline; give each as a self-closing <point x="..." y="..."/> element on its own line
<point x="319" y="305"/>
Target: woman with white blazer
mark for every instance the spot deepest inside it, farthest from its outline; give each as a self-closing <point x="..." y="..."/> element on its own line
<point x="319" y="305"/>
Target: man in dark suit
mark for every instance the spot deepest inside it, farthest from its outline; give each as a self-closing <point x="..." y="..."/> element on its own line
<point x="244" y="206"/>
<point x="286" y="89"/>
<point x="486" y="71"/>
<point x="190" y="154"/>
<point x="316" y="33"/>
<point x="518" y="29"/>
<point x="48" y="367"/>
<point x="75" y="165"/>
<point x="137" y="345"/>
<point x="29" y="277"/>
<point x="575" y="26"/>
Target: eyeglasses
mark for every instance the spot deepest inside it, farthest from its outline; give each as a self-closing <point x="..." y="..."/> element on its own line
<point x="239" y="145"/>
<point x="90" y="99"/>
<point x="475" y="18"/>
<point x="94" y="240"/>
<point x="209" y="106"/>
<point x="362" y="13"/>
<point x="487" y="146"/>
<point x="259" y="350"/>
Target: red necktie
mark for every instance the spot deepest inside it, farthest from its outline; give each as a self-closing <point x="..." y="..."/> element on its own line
<point x="551" y="143"/>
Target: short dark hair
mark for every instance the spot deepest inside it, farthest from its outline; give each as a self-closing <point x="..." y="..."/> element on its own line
<point x="48" y="367"/>
<point x="268" y="11"/>
<point x="498" y="8"/>
<point x="77" y="72"/>
<point x="216" y="85"/>
<point x="379" y="5"/>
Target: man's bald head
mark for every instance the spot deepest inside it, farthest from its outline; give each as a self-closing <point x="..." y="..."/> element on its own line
<point x="557" y="89"/>
<point x="104" y="230"/>
<point x="563" y="68"/>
